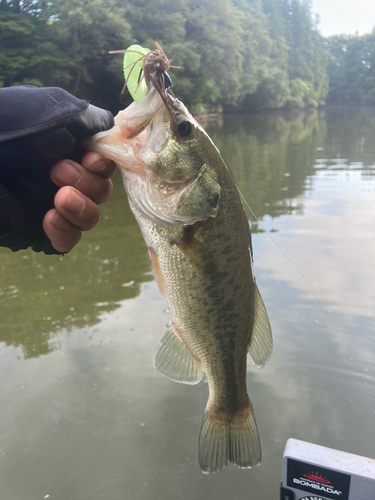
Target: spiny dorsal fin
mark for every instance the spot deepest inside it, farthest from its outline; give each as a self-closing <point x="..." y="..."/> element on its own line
<point x="260" y="348"/>
<point x="174" y="360"/>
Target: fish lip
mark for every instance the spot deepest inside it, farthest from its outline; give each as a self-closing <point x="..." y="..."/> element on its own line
<point x="137" y="111"/>
<point x="134" y="119"/>
<point x="131" y="121"/>
<point x="151" y="95"/>
<point x="130" y="131"/>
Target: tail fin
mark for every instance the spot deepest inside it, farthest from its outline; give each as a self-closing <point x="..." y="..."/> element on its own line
<point x="234" y="440"/>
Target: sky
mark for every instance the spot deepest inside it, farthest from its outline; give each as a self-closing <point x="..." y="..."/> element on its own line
<point x="345" y="16"/>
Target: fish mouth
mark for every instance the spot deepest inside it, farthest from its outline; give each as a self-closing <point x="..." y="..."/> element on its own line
<point x="132" y="133"/>
<point x="134" y="119"/>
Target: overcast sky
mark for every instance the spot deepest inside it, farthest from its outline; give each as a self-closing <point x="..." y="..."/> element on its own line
<point x="345" y="16"/>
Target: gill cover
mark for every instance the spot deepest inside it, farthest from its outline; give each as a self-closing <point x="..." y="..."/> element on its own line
<point x="175" y="205"/>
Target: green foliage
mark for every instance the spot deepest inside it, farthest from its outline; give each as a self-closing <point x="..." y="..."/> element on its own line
<point x="233" y="54"/>
<point x="86" y="31"/>
<point x="351" y="69"/>
<point x="306" y="63"/>
<point x="65" y="43"/>
<point x="26" y="55"/>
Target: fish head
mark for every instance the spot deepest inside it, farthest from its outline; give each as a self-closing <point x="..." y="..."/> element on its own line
<point x="161" y="152"/>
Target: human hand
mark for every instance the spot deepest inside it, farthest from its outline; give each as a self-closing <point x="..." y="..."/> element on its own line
<point x="82" y="188"/>
<point x="41" y="130"/>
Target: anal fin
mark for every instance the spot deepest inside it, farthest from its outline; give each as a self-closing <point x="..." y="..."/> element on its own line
<point x="174" y="360"/>
<point x="261" y="343"/>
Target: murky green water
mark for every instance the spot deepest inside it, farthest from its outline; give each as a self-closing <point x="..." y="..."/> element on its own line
<point x="83" y="413"/>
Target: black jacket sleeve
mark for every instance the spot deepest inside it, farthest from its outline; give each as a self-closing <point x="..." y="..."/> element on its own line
<point x="38" y="126"/>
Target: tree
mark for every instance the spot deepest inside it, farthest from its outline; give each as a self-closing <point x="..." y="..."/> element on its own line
<point x="307" y="58"/>
<point x="85" y="31"/>
<point x="27" y="56"/>
<point x="351" y="69"/>
<point x="233" y="54"/>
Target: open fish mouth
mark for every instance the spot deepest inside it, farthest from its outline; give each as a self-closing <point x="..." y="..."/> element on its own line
<point x="138" y="128"/>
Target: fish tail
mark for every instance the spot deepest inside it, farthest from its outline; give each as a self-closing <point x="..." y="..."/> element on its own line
<point x="226" y="439"/>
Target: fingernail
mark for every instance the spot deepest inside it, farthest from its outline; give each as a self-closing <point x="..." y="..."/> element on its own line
<point x="68" y="175"/>
<point x="75" y="203"/>
<point x="100" y="166"/>
<point x="59" y="222"/>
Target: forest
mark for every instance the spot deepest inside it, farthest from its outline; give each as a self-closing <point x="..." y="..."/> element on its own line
<point x="351" y="69"/>
<point x="234" y="55"/>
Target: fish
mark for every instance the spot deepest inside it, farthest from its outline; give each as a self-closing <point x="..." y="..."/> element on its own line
<point x="189" y="211"/>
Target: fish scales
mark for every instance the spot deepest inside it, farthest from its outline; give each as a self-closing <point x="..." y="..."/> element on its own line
<point x="190" y="214"/>
<point x="203" y="304"/>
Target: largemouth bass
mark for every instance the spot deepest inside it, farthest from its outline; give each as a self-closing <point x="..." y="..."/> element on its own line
<point x="190" y="214"/>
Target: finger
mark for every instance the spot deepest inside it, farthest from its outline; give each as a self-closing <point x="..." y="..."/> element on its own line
<point x="96" y="163"/>
<point x="93" y="185"/>
<point x="63" y="235"/>
<point x="77" y="209"/>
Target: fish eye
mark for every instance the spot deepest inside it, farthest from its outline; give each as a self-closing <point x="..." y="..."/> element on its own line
<point x="184" y="127"/>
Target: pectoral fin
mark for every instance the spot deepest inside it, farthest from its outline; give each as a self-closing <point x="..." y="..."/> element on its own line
<point x="174" y="360"/>
<point x="260" y="348"/>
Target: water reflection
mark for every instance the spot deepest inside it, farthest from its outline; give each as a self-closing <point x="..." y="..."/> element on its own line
<point x="350" y="137"/>
<point x="271" y="157"/>
<point x="41" y="295"/>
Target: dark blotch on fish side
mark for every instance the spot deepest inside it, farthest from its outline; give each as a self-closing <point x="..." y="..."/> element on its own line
<point x="227" y="249"/>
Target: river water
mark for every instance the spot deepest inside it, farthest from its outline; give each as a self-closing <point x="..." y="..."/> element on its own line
<point x="83" y="413"/>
